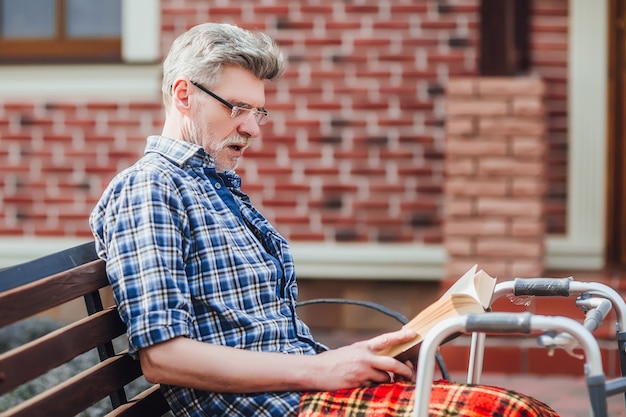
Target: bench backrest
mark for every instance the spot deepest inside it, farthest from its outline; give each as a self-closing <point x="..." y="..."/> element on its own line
<point x="32" y="288"/>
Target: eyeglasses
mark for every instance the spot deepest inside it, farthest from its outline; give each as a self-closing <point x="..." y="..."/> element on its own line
<point x="260" y="115"/>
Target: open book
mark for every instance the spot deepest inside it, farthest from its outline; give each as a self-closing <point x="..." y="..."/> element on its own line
<point x="470" y="294"/>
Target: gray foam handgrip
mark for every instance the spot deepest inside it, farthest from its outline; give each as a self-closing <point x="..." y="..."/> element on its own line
<point x="543" y="287"/>
<point x="499" y="323"/>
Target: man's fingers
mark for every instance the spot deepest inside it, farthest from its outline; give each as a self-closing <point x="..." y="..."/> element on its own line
<point x="386" y="340"/>
<point x="382" y="377"/>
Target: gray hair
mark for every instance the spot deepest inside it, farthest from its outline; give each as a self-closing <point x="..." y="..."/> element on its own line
<point x="205" y="50"/>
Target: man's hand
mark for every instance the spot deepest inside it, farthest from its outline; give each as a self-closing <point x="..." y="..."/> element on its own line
<point x="360" y="364"/>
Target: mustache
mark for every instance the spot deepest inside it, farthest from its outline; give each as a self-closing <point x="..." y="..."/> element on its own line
<point x="243" y="141"/>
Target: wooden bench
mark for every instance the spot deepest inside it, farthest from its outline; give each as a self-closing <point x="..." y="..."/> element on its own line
<point x="34" y="287"/>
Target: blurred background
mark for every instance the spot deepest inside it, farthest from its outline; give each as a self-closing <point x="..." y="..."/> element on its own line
<point x="408" y="139"/>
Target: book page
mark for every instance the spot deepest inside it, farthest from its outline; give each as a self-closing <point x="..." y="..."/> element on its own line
<point x="476" y="284"/>
<point x="471" y="293"/>
<point x="484" y="285"/>
<point x="464" y="283"/>
<point x="450" y="306"/>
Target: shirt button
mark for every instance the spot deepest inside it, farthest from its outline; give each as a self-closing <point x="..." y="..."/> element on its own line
<point x="218" y="185"/>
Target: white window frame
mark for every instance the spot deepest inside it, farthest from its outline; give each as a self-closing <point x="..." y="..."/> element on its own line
<point x="583" y="246"/>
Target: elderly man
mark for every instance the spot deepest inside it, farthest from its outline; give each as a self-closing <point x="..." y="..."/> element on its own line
<point x="204" y="282"/>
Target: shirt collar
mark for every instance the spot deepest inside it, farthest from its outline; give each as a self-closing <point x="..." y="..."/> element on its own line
<point x="189" y="154"/>
<point x="180" y="152"/>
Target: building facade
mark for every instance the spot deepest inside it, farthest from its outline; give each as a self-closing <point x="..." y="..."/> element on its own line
<point x="352" y="166"/>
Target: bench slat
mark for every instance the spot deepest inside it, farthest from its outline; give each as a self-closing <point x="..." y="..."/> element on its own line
<point x="17" y="275"/>
<point x="148" y="403"/>
<point x="39" y="285"/>
<point x="36" y="297"/>
<point x="81" y="391"/>
<point x="57" y="348"/>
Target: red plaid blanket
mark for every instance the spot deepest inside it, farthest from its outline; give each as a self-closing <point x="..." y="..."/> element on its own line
<point x="447" y="400"/>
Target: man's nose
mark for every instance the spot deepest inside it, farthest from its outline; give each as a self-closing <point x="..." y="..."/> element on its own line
<point x="250" y="127"/>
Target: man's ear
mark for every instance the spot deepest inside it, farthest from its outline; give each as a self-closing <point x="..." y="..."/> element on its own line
<point x="180" y="95"/>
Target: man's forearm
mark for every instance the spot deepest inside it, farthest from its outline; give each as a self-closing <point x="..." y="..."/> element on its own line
<point x="188" y="363"/>
<point x="208" y="367"/>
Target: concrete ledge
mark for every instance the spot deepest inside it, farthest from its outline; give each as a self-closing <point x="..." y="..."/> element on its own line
<point x="409" y="262"/>
<point x="17" y="250"/>
<point x="313" y="260"/>
<point x="566" y="254"/>
<point x="69" y="82"/>
<point x="369" y="261"/>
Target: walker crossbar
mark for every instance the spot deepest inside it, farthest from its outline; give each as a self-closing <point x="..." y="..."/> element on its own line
<point x="509" y="323"/>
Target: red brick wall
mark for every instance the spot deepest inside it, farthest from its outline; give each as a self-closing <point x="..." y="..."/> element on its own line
<point x="549" y="61"/>
<point x="355" y="148"/>
<point x="495" y="176"/>
<point x="56" y="158"/>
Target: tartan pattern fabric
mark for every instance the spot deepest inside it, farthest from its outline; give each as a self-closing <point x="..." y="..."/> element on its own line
<point x="447" y="400"/>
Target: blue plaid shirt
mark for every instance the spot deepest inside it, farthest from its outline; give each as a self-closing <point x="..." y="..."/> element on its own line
<point x="188" y="255"/>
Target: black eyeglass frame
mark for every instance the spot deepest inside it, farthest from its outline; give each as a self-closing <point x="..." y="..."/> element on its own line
<point x="260" y="115"/>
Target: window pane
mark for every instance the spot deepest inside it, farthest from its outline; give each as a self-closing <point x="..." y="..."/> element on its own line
<point x="27" y="18"/>
<point x="93" y="18"/>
